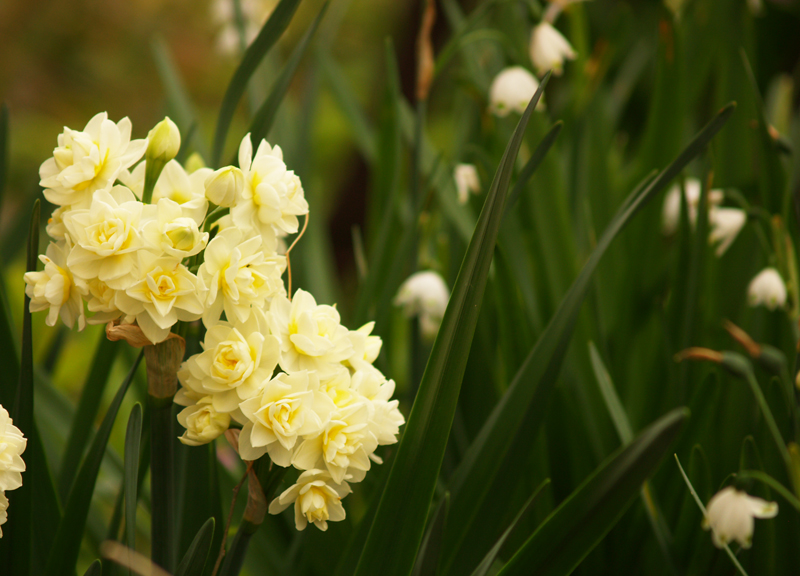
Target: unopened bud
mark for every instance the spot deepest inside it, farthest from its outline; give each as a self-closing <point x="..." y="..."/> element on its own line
<point x="194" y="162"/>
<point x="699" y="354"/>
<point x="743" y="338"/>
<point x="164" y="141"/>
<point x="224" y="185"/>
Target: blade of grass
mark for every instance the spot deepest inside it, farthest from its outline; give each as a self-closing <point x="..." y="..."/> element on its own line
<point x="86" y="413"/>
<point x="772" y="483"/>
<point x="194" y="561"/>
<point x="269" y="34"/>
<point x="64" y="554"/>
<point x="486" y="564"/>
<point x="579" y="523"/>
<point x="133" y="438"/>
<point x="406" y="497"/>
<point x="531" y="388"/>
<point x="262" y="122"/>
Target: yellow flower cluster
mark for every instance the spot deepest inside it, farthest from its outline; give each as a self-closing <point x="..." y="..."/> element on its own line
<point x="301" y="385"/>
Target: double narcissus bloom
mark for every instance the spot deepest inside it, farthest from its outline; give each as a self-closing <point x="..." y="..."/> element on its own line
<point x="730" y="515"/>
<point x="302" y="385"/>
<point x="12" y="445"/>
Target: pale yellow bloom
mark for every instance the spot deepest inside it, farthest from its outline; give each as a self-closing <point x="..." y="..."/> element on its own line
<point x="12" y="445"/>
<point x="3" y="511"/>
<point x="53" y="289"/>
<point x="224" y="186"/>
<point x="175" y="231"/>
<point x="202" y="422"/>
<point x="90" y="160"/>
<point x="164" y="141"/>
<point x="316" y="498"/>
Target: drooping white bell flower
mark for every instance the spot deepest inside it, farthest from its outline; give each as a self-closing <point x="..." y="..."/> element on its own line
<point x="768" y="289"/>
<point x="725" y="226"/>
<point x="316" y="498"/>
<point x="671" y="212"/>
<point x="424" y="294"/>
<point x="53" y="289"/>
<point x="311" y="335"/>
<point x="466" y="177"/>
<point x="512" y="90"/>
<point x="89" y="160"/>
<point x="548" y="49"/>
<point x="202" y="422"/>
<point x="730" y="514"/>
<point x="12" y="445"/>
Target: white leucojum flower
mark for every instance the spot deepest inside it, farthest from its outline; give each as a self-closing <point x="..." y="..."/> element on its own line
<point x="316" y="499"/>
<point x="466" y="177"/>
<point x="730" y="514"/>
<point x="512" y="90"/>
<point x="424" y="294"/>
<point x="54" y="289"/>
<point x="768" y="289"/>
<point x="89" y="160"/>
<point x="725" y="226"/>
<point x="548" y="49"/>
<point x="671" y="212"/>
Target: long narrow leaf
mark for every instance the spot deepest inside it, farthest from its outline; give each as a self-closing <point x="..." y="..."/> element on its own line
<point x="408" y="492"/>
<point x="428" y="557"/>
<point x="269" y="34"/>
<point x="64" y="553"/>
<point x="529" y="392"/>
<point x="194" y="561"/>
<point x="3" y="151"/>
<point x="262" y="122"/>
<point x="582" y="520"/>
<point x="95" y="569"/>
<point x="133" y="438"/>
<point x="86" y="413"/>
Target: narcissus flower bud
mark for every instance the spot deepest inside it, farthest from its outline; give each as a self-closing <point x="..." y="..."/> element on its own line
<point x="164" y="142"/>
<point x="224" y="186"/>
<point x="730" y="516"/>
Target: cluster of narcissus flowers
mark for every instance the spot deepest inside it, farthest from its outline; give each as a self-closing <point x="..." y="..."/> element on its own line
<point x="12" y="445"/>
<point x="133" y="245"/>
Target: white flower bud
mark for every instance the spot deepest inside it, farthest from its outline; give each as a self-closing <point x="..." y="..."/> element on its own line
<point x="224" y="186"/>
<point x="767" y="288"/>
<point x="512" y="89"/>
<point x="165" y="141"/>
<point x="466" y="177"/>
<point x="549" y="49"/>
<point x="730" y="516"/>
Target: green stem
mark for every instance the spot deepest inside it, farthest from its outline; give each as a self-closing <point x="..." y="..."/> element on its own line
<point x="162" y="481"/>
<point x="770" y="419"/>
<point x="234" y="559"/>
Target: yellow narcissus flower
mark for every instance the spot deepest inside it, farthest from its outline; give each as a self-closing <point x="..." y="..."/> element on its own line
<point x="236" y="362"/>
<point x="165" y="293"/>
<point x="202" y="422"/>
<point x="386" y="417"/>
<point x="239" y="276"/>
<point x="311" y="335"/>
<point x="106" y="237"/>
<point x="224" y="186"/>
<point x="343" y="447"/>
<point x="288" y="408"/>
<point x="512" y="90"/>
<point x="730" y="514"/>
<point x="548" y="49"/>
<point x="316" y="498"/>
<point x="272" y="197"/>
<point x="54" y="289"/>
<point x="12" y="445"/>
<point x="175" y="183"/>
<point x="175" y="231"/>
<point x="89" y="160"/>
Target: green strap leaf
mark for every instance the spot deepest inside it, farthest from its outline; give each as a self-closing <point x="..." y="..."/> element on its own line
<point x="486" y="564"/>
<point x="406" y="497"/>
<point x="21" y="536"/>
<point x="86" y="414"/>
<point x="585" y="517"/>
<point x="95" y="569"/>
<point x="3" y="150"/>
<point x="527" y="396"/>
<point x="194" y="561"/>
<point x="269" y="34"/>
<point x="133" y="438"/>
<point x="64" y="553"/>
<point x="262" y="122"/>
<point x="428" y="557"/>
